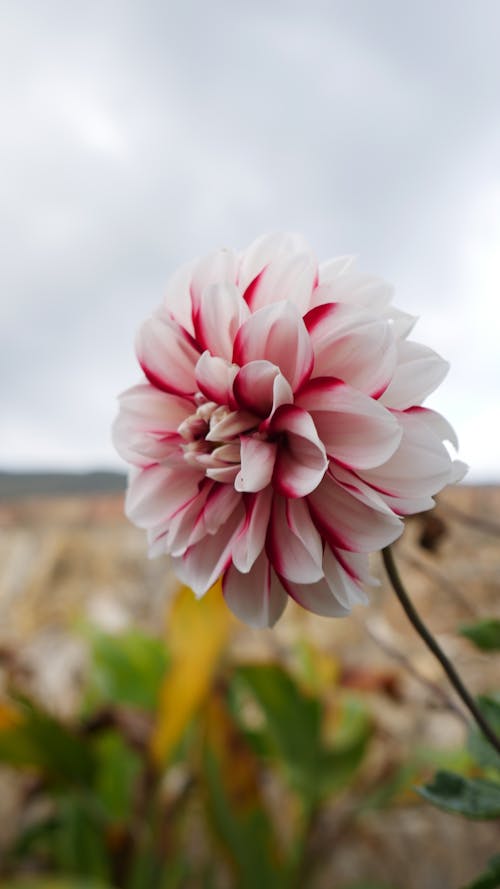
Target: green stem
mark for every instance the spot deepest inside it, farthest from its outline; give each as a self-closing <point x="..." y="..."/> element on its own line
<point x="431" y="643"/>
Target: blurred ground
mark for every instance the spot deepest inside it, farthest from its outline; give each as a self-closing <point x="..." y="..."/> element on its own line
<point x="71" y="559"/>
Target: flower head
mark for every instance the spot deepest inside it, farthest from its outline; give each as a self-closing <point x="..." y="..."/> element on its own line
<point x="278" y="436"/>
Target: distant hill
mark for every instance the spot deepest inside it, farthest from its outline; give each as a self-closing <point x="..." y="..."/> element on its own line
<point x="36" y="484"/>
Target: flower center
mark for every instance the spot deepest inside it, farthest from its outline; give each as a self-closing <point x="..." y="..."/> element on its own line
<point x="199" y="450"/>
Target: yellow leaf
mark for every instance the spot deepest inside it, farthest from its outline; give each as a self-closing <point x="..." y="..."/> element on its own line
<point x="9" y="716"/>
<point x="197" y="631"/>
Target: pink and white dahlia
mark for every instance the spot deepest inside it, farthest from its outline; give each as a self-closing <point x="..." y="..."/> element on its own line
<point x="278" y="436"/>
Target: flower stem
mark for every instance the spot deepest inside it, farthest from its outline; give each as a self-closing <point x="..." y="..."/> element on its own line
<point x="432" y="644"/>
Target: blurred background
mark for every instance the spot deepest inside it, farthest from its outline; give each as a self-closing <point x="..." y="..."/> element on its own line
<point x="136" y="749"/>
<point x="138" y="136"/>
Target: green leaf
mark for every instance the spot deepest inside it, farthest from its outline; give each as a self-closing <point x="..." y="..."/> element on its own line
<point x="369" y="885"/>
<point x="491" y="877"/>
<point x="126" y="669"/>
<point x="53" y="883"/>
<point x="38" y="740"/>
<point x="246" y="835"/>
<point x="472" y="797"/>
<point x="293" y="723"/>
<point x="479" y="747"/>
<point x="352" y="735"/>
<point x="79" y="845"/>
<point x="485" y="634"/>
<point x="118" y="768"/>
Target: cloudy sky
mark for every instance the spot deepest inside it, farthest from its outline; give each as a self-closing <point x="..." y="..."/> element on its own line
<point x="136" y="135"/>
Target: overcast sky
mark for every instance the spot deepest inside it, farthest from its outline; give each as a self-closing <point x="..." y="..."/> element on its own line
<point x="136" y="135"/>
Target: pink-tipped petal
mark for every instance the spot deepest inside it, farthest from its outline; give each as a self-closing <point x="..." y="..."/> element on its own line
<point x="278" y="267"/>
<point x="352" y="346"/>
<point x="419" y="371"/>
<point x="257" y="464"/>
<point x="145" y="430"/>
<point x="316" y="597"/>
<point x="219" y="267"/>
<point x="349" y="524"/>
<point x="301" y="460"/>
<point x="293" y="543"/>
<point x="276" y="334"/>
<point x="259" y="387"/>
<point x="177" y="297"/>
<point x="343" y="585"/>
<point x="167" y="355"/>
<point x="221" y="312"/>
<point x="420" y="466"/>
<point x="214" y="377"/>
<point x="204" y="562"/>
<point x="257" y="598"/>
<point x="251" y="539"/>
<point x="354" y="428"/>
<point x="155" y="494"/>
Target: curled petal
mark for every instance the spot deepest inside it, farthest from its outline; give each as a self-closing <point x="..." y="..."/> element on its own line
<point x="354" y="428"/>
<point x="167" y="355"/>
<point x="257" y="464"/>
<point x="231" y="425"/>
<point x="277" y="334"/>
<point x="214" y="377"/>
<point x="259" y="387"/>
<point x="257" y="598"/>
<point x="301" y="460"/>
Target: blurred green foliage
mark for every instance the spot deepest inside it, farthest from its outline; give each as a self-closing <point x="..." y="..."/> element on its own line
<point x="161" y="780"/>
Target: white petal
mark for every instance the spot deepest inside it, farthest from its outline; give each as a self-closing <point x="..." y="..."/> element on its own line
<point x="259" y="387"/>
<point x="418" y="372"/>
<point x="156" y="493"/>
<point x="219" y="267"/>
<point x="316" y="597"/>
<point x="343" y="586"/>
<point x="250" y="541"/>
<point x="301" y="459"/>
<point x="145" y="430"/>
<point x="419" y="468"/>
<point x="353" y="427"/>
<point x="277" y="334"/>
<point x="221" y="312"/>
<point x="349" y="524"/>
<point x="214" y="377"/>
<point x="202" y="564"/>
<point x="257" y="598"/>
<point x="294" y="545"/>
<point x="167" y="355"/>
<point x="278" y="267"/>
<point x="352" y="346"/>
<point x="257" y="464"/>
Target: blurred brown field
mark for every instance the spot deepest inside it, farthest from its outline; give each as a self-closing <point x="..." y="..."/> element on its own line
<point x="70" y="561"/>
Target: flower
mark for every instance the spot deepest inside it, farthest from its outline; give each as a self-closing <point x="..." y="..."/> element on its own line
<point x="278" y="436"/>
